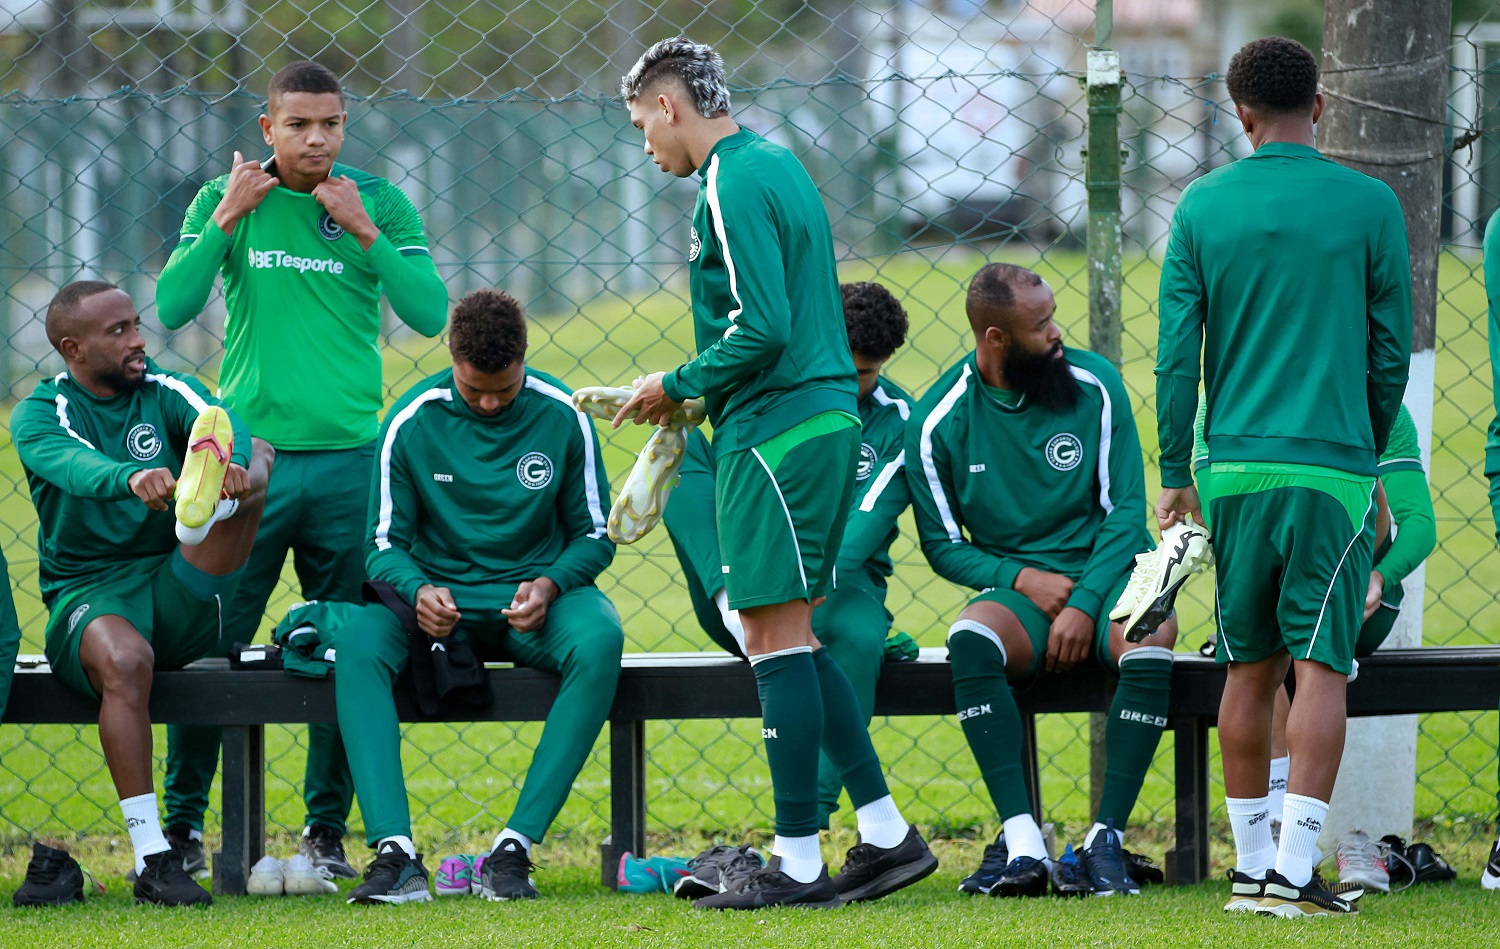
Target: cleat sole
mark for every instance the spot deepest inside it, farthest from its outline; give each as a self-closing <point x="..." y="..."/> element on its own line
<point x="201" y="483"/>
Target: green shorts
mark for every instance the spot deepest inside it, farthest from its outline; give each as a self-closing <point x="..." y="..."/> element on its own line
<point x="1294" y="562"/>
<point x="1375" y="630"/>
<point x="781" y="508"/>
<point x="1038" y="627"/>
<point x="172" y="604"/>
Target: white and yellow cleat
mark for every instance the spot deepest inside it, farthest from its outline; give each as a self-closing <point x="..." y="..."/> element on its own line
<point x="643" y="497"/>
<point x="605" y="402"/>
<point x="1158" y="577"/>
<point x="200" y="487"/>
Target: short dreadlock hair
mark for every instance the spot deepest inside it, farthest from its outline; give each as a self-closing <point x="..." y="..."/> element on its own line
<point x="488" y="330"/>
<point x="696" y="66"/>
<point x="874" y="319"/>
<point x="1274" y="74"/>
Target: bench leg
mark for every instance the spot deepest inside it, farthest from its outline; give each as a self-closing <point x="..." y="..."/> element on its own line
<point x="1188" y="861"/>
<point x="244" y="808"/>
<point x="1033" y="769"/>
<point x="627" y="797"/>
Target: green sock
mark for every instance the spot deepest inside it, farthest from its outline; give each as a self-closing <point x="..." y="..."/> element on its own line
<point x="791" y="708"/>
<point x="988" y="714"/>
<point x="846" y="734"/>
<point x="1134" y="728"/>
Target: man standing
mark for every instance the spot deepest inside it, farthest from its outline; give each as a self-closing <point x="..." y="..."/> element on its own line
<point x="306" y="247"/>
<point x="774" y="367"/>
<point x="1028" y="486"/>
<point x="103" y="445"/>
<point x="1290" y="274"/>
<point x="1491" y="878"/>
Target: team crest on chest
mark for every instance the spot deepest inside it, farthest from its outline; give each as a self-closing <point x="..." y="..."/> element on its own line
<point x="143" y="442"/>
<point x="867" y="460"/>
<point x="329" y="228"/>
<point x="695" y="245"/>
<point x="534" y="470"/>
<point x="1064" y="451"/>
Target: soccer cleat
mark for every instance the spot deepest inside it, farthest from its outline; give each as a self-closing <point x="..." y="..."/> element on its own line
<point x="455" y="876"/>
<point x="475" y="885"/>
<point x="507" y="874"/>
<point x="166" y="883"/>
<point x="1184" y="551"/>
<point x="870" y="872"/>
<point x="1490" y="880"/>
<point x="1023" y="876"/>
<point x="1069" y="878"/>
<point x="768" y="886"/>
<point x="649" y="874"/>
<point x="393" y="877"/>
<point x="643" y="496"/>
<point x="1245" y="892"/>
<point x="324" y="846"/>
<point x="1362" y="861"/>
<point x="53" y="878"/>
<point x="1105" y="863"/>
<point x="201" y="484"/>
<point x="991" y="866"/>
<point x="709" y="871"/>
<point x="1143" y="870"/>
<point x="1142" y="576"/>
<point x="605" y="402"/>
<point x="669" y="869"/>
<point x="1291" y="902"/>
<point x="1427" y="866"/>
<point x="267" y="878"/>
<point x="301" y="878"/>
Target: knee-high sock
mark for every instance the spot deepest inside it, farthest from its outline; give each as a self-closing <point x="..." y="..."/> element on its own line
<point x="846" y="734"/>
<point x="988" y="714"/>
<point x="791" y="706"/>
<point x="1134" y="728"/>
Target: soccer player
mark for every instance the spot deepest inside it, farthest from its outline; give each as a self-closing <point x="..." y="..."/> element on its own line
<point x="1027" y="484"/>
<point x="1289" y="274"/>
<point x="1491" y="878"/>
<point x="305" y="247"/>
<point x="102" y="445"/>
<point x="853" y="622"/>
<point x="488" y="515"/>
<point x="773" y="364"/>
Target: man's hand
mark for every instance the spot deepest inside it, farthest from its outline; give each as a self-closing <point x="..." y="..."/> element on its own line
<point x="248" y="184"/>
<point x="650" y="404"/>
<point x="154" y="486"/>
<point x="1069" y="639"/>
<point x="236" y="482"/>
<point x="340" y="198"/>
<point x="1174" y="503"/>
<point x="1049" y="591"/>
<point x="437" y="614"/>
<point x="528" y="609"/>
<point x="1376" y="591"/>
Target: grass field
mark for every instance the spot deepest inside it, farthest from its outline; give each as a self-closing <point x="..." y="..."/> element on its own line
<point x="701" y="774"/>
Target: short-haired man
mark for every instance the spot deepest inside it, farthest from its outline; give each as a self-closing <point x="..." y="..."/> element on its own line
<point x="487" y="515"/>
<point x="1289" y="274"/>
<point x="102" y="445"/>
<point x="853" y="622"/>
<point x="306" y="247"/>
<point x="1490" y="880"/>
<point x="1028" y="485"/>
<point x="773" y="365"/>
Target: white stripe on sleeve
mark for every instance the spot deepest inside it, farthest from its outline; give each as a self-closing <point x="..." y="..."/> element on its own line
<point x="929" y="467"/>
<point x="383" y="524"/>
<point x="722" y="234"/>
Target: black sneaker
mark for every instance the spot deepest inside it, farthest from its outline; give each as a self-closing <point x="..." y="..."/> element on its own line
<point x="1292" y="902"/>
<point x="1069" y="878"/>
<point x="53" y="878"/>
<point x="1023" y="876"/>
<point x="870" y="872"/>
<point x="190" y="849"/>
<point x="711" y="870"/>
<point x="324" y="846"/>
<point x="165" y="883"/>
<point x="1490" y="880"/>
<point x="1105" y="863"/>
<point x="1245" y="892"/>
<point x="1427" y="866"/>
<point x="991" y="866"/>
<point x="393" y="877"/>
<point x="1143" y="870"/>
<point x="768" y="886"/>
<point x="507" y="873"/>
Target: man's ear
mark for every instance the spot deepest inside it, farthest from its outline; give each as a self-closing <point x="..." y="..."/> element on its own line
<point x="1247" y="118"/>
<point x="265" y="128"/>
<point x="1317" y="107"/>
<point x="70" y="348"/>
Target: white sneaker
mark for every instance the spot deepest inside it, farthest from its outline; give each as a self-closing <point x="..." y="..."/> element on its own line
<point x="1184" y="551"/>
<point x="267" y="878"/>
<point x="1362" y="861"/>
<point x="1491" y="878"/>
<point x="304" y="879"/>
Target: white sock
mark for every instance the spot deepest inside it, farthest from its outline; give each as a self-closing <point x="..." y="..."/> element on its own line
<point x="1301" y="823"/>
<point x="731" y="619"/>
<point x="193" y="536"/>
<point x="1088" y="840"/>
<point x="144" y="824"/>
<point x="800" y="857"/>
<point x="508" y="834"/>
<point x="1250" y="820"/>
<point x="1280" y="767"/>
<point x="403" y="842"/>
<point x="881" y="824"/>
<point x="1023" y="838"/>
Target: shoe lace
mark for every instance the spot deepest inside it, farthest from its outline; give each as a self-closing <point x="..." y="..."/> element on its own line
<point x="514" y="861"/>
<point x="738" y="871"/>
<point x="1359" y="853"/>
<point x="996" y="857"/>
<point x="762" y="878"/>
<point x="388" y="860"/>
<point x="327" y="844"/>
<point x="1106" y="860"/>
<point x="713" y="856"/>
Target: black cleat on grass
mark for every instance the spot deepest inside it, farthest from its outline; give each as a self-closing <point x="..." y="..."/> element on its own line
<point x="870" y="872"/>
<point x="991" y="866"/>
<point x="1023" y="876"/>
<point x="1069" y="878"/>
<point x="768" y="886"/>
<point x="166" y="883"/>
<point x="53" y="878"/>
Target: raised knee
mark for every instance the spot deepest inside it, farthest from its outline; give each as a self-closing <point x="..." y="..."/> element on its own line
<point x="126" y="668"/>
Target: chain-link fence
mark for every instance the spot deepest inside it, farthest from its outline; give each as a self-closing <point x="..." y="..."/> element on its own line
<point x="941" y="136"/>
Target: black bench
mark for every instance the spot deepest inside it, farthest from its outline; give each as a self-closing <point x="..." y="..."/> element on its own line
<point x="705" y="686"/>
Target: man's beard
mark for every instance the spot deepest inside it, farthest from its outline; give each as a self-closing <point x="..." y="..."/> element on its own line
<point x="1045" y="379"/>
<point x="122" y="380"/>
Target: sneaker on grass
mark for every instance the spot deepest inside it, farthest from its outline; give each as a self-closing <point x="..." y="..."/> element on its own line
<point x="1069" y="878"/>
<point x="768" y="886"/>
<point x="1105" y="863"/>
<point x="394" y="877"/>
<point x="1023" y="876"/>
<point x="991" y="866"/>
<point x="1490" y="880"/>
<point x="1314" y="899"/>
<point x="455" y="875"/>
<point x="301" y="878"/>
<point x="267" y="878"/>
<point x="165" y="883"/>
<point x="708" y="872"/>
<point x="190" y="848"/>
<point x="324" y="846"/>
<point x="507" y="874"/>
<point x="1245" y="892"/>
<point x="1362" y="861"/>
<point x="870" y="872"/>
<point x="53" y="878"/>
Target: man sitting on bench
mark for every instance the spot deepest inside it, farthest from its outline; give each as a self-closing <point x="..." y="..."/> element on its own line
<point x="106" y="446"/>
<point x="1028" y="485"/>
